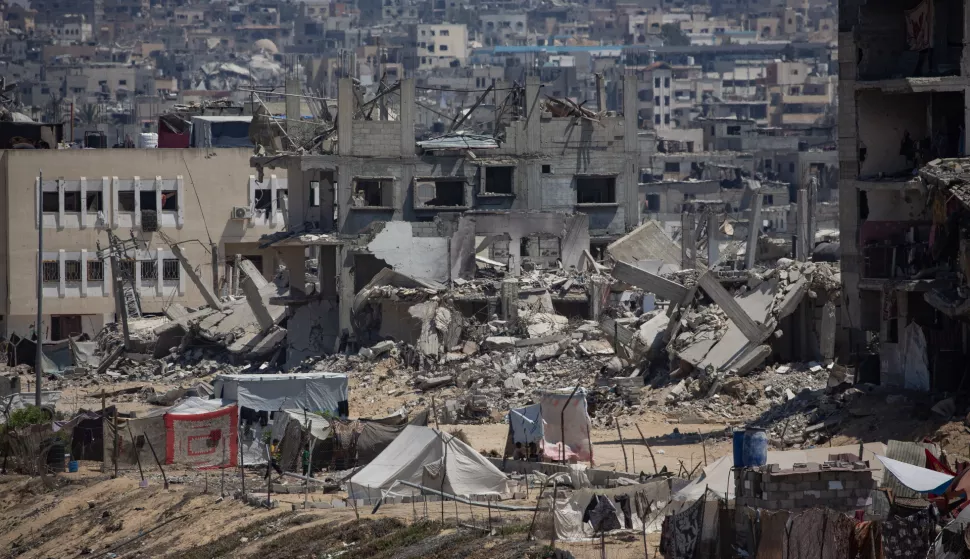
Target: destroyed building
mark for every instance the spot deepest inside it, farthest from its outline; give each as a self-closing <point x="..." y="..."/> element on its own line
<point x="898" y="111"/>
<point x="557" y="179"/>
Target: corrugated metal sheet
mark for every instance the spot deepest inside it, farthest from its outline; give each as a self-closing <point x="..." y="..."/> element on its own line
<point x="459" y="141"/>
<point x="911" y="453"/>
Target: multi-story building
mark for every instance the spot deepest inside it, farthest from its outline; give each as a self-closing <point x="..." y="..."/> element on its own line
<point x="898" y="109"/>
<point x="656" y="96"/>
<point x="420" y="198"/>
<point x="190" y="193"/>
<point x="436" y="46"/>
<point x="69" y="29"/>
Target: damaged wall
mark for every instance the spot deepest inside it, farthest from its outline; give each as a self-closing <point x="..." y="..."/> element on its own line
<point x="419" y="257"/>
<point x="312" y="330"/>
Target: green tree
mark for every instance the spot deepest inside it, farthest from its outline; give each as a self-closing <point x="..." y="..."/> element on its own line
<point x="673" y="36"/>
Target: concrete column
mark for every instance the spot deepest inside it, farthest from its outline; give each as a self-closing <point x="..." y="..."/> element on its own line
<point x="631" y="148"/>
<point x="510" y="299"/>
<point x="406" y="117"/>
<point x="802" y="242"/>
<point x="293" y="92"/>
<point x="599" y="287"/>
<point x="533" y="108"/>
<point x="345" y="116"/>
<point x="294" y="259"/>
<point x="515" y="256"/>
<point x="236" y="266"/>
<point x="688" y="249"/>
<point x="754" y="227"/>
<point x="713" y="249"/>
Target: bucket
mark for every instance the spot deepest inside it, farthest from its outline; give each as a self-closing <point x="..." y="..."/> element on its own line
<point x="738" y="441"/>
<point x="755" y="447"/>
<point x="72" y="466"/>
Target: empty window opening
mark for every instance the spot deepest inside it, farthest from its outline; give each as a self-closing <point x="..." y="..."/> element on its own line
<point x="94" y="202"/>
<point x="373" y="192"/>
<point x="447" y="193"/>
<point x="52" y="271"/>
<point x="282" y="197"/>
<point x="147" y="200"/>
<point x="264" y="201"/>
<point x="733" y="130"/>
<point x="51" y="202"/>
<point x="653" y="202"/>
<point x="170" y="269"/>
<point x="95" y="270"/>
<point x="498" y="180"/>
<point x="170" y="200"/>
<point x="72" y="201"/>
<point x="149" y="269"/>
<point x="546" y="169"/>
<point x="126" y="201"/>
<point x="672" y="167"/>
<point x="596" y="190"/>
<point x="768" y="199"/>
<point x="314" y="194"/>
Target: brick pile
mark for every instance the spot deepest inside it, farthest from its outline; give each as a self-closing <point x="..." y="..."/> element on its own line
<point x="841" y="486"/>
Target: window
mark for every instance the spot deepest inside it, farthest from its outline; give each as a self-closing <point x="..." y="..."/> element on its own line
<point x="546" y="169"/>
<point x="126" y="269"/>
<point x="122" y="82"/>
<point x="791" y="167"/>
<point x="656" y="83"/>
<point x="72" y="270"/>
<point x="376" y="193"/>
<point x="595" y="190"/>
<point x="170" y="200"/>
<point x="72" y="201"/>
<point x="126" y="200"/>
<point x="666" y="99"/>
<point x="170" y="269"/>
<point x="51" y="202"/>
<point x="264" y="201"/>
<point x="672" y="167"/>
<point x="149" y="269"/>
<point x="690" y="147"/>
<point x="733" y="130"/>
<point x="448" y="193"/>
<point x="442" y="47"/>
<point x="653" y="202"/>
<point x="656" y="119"/>
<point x="444" y="33"/>
<point x="713" y="131"/>
<point x="314" y="194"/>
<point x="147" y="199"/>
<point x="499" y="180"/>
<point x="666" y="82"/>
<point x="656" y="100"/>
<point x="95" y="270"/>
<point x="768" y="199"/>
<point x="94" y="202"/>
<point x="52" y="271"/>
<point x="666" y="119"/>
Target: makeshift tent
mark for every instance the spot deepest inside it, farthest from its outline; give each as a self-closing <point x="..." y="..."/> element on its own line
<point x="431" y="458"/>
<point x="526" y="424"/>
<point x="337" y="443"/>
<point x="221" y="131"/>
<point x="571" y="518"/>
<point x="314" y="392"/>
<point x="564" y="415"/>
<point x="202" y="440"/>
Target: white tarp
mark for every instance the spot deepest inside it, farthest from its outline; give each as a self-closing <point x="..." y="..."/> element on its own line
<point x="568" y="513"/>
<point x="431" y="458"/>
<point x="573" y="424"/>
<point x="922" y="480"/>
<point x="916" y="373"/>
<point x="526" y="424"/>
<point x="315" y="392"/>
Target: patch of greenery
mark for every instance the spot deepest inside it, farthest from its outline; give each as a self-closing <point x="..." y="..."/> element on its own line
<point x="30" y="415"/>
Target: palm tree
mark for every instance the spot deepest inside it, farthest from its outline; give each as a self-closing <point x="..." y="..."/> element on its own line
<point x="89" y="114"/>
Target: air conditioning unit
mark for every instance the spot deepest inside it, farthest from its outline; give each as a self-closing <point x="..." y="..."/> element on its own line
<point x="242" y="212"/>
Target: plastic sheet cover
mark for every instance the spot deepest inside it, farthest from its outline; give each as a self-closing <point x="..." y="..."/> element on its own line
<point x="526" y="424"/>
<point x="315" y="392"/>
<point x="575" y="425"/>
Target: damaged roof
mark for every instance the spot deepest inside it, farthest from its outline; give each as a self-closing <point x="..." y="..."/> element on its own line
<point x="459" y="140"/>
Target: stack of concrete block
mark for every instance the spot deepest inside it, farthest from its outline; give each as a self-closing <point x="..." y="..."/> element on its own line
<point x="841" y="486"/>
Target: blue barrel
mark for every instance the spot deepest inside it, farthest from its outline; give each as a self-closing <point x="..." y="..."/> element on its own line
<point x="738" y="441"/>
<point x="72" y="466"/>
<point x="755" y="447"/>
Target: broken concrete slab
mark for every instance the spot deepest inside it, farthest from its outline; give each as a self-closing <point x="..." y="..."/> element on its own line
<point x="539" y="325"/>
<point x="546" y="352"/>
<point x="596" y="347"/>
<point x="647" y="242"/>
<point x="651" y="283"/>
<point x="710" y="284"/>
<point x="430" y="383"/>
<point x="254" y="286"/>
<point x="500" y="342"/>
<point x="827" y="333"/>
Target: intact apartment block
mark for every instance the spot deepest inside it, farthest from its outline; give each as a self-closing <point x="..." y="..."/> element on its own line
<point x="902" y="104"/>
<point x="190" y="196"/>
<point x="556" y="185"/>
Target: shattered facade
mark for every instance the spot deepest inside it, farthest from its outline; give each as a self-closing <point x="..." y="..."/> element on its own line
<point x="900" y="110"/>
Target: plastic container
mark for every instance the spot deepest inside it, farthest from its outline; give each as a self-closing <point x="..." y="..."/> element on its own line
<point x="755" y="447"/>
<point x="72" y="466"/>
<point x="738" y="441"/>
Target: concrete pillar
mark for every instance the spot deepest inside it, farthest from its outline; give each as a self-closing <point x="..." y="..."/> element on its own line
<point x="754" y="226"/>
<point x="533" y="108"/>
<point x="631" y="148"/>
<point x="688" y="249"/>
<point x="236" y="265"/>
<point x="345" y="288"/>
<point x="713" y="248"/>
<point x="345" y="116"/>
<point x="510" y="299"/>
<point x="294" y="259"/>
<point x="406" y="117"/>
<point x="802" y="242"/>
<point x="294" y="90"/>
<point x="515" y="256"/>
<point x="598" y="290"/>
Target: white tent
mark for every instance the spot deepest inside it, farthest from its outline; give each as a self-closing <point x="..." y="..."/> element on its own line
<point x="428" y="457"/>
<point x="315" y="392"/>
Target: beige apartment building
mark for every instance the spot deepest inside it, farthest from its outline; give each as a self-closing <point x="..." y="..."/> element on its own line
<point x="195" y="197"/>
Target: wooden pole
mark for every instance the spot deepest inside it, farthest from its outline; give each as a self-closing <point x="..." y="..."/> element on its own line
<point x="644" y="439"/>
<point x="117" y="441"/>
<point x="155" y="456"/>
<point x="626" y="465"/>
<point x="704" y="448"/>
<point x="242" y="471"/>
<point x="135" y="449"/>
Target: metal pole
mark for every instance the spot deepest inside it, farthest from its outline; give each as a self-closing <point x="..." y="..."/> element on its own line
<point x="39" y="362"/>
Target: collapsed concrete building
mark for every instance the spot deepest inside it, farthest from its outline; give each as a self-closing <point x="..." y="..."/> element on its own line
<point x="555" y="182"/>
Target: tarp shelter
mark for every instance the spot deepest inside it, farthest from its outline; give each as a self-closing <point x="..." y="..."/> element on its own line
<point x="314" y="392"/>
<point x="337" y="443"/>
<point x="570" y="514"/>
<point x="431" y="458"/>
<point x="526" y="424"/>
<point x="564" y="415"/>
<point x="203" y="440"/>
<point x="221" y="131"/>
